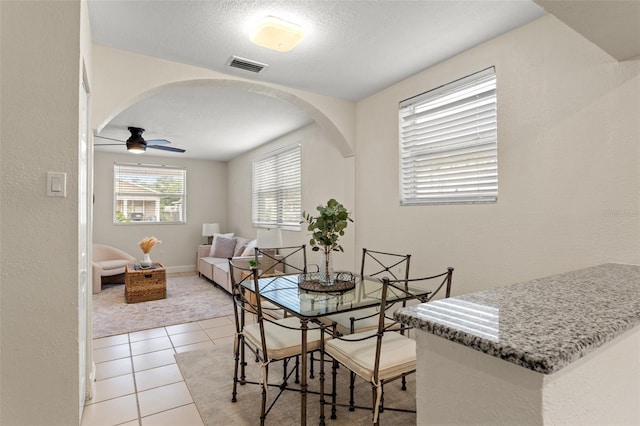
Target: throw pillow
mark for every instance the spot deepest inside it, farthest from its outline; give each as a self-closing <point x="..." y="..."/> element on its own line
<point x="249" y="250"/>
<point x="213" y="244"/>
<point x="223" y="247"/>
<point x="241" y="244"/>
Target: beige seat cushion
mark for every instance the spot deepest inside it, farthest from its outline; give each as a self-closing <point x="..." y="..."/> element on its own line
<point x="398" y="354"/>
<point x="108" y="265"/>
<point x="343" y="321"/>
<point x="282" y="342"/>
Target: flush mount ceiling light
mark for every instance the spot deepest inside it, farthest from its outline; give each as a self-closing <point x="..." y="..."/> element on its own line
<point x="277" y="34"/>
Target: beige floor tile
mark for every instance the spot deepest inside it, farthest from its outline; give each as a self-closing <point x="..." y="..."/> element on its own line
<point x="103" y="342"/>
<point x="152" y="333"/>
<point x="163" y="398"/>
<point x="153" y="360"/>
<point x="196" y="346"/>
<point x="111" y="412"/>
<point x="219" y="332"/>
<point x="216" y="322"/>
<point x="186" y="415"/>
<point x="113" y="387"/>
<point x="224" y="341"/>
<point x="151" y="345"/>
<point x="118" y="367"/>
<point x="189" y="338"/>
<point x="111" y="352"/>
<point x="183" y="328"/>
<point x="156" y="377"/>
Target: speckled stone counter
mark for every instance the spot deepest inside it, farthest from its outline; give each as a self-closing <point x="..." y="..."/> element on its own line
<point x="543" y="324"/>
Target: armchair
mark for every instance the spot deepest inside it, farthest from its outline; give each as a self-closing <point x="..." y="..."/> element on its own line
<point x="108" y="261"/>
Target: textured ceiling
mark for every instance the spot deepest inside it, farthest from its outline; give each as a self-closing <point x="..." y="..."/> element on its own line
<point x="352" y="49"/>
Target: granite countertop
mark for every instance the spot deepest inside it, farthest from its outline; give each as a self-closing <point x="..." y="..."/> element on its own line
<point x="543" y="324"/>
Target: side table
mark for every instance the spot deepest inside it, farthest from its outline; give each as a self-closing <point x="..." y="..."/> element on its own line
<point x="141" y="285"/>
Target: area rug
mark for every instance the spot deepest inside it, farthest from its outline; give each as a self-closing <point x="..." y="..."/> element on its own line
<point x="189" y="298"/>
<point x="209" y="376"/>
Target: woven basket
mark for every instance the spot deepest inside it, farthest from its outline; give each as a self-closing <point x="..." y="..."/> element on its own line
<point x="145" y="285"/>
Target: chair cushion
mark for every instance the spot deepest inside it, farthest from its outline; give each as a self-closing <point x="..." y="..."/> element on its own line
<point x="109" y="265"/>
<point x="398" y="354"/>
<point x="343" y="321"/>
<point x="282" y="342"/>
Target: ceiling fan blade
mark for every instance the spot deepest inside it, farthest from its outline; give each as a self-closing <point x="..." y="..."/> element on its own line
<point x="166" y="148"/>
<point x="108" y="144"/>
<point x="157" y="142"/>
<point x="111" y="139"/>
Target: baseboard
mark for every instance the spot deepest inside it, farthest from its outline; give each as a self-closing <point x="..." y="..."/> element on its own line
<point x="180" y="268"/>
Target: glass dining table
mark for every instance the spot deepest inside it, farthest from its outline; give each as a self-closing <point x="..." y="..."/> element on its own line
<point x="285" y="292"/>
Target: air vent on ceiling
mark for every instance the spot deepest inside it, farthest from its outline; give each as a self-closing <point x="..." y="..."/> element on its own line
<point x="246" y="64"/>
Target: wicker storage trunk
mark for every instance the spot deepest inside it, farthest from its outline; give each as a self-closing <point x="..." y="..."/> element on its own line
<point x="145" y="284"/>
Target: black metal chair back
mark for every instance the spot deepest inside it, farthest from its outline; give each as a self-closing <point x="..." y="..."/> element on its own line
<point x="379" y="264"/>
<point x="281" y="260"/>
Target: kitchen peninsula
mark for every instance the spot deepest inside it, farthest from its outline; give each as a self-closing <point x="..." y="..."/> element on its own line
<point x="559" y="350"/>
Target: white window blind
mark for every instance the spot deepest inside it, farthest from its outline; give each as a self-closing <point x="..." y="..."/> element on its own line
<point x="277" y="190"/>
<point x="448" y="143"/>
<point x="147" y="193"/>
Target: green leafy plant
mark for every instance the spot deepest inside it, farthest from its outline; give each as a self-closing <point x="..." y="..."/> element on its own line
<point x="326" y="229"/>
<point x="328" y="226"/>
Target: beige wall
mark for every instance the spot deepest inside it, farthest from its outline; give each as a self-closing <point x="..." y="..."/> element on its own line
<point x="325" y="174"/>
<point x="206" y="202"/>
<point x="568" y="152"/>
<point x="41" y="62"/>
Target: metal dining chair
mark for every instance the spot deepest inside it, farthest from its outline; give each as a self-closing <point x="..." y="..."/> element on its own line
<point x="269" y="340"/>
<point x="382" y="355"/>
<point x="374" y="264"/>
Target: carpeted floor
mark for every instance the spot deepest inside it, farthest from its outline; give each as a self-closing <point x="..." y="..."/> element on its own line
<point x="209" y="377"/>
<point x="189" y="298"/>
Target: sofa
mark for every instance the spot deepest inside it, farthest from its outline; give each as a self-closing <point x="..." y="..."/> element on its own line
<point x="213" y="259"/>
<point x="108" y="261"/>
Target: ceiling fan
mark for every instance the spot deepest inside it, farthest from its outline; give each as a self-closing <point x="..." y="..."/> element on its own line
<point x="136" y="143"/>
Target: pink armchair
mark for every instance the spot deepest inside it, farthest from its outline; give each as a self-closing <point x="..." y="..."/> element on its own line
<point x="108" y="261"/>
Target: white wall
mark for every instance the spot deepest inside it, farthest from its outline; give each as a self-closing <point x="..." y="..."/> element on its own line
<point x="206" y="202"/>
<point x="569" y="172"/>
<point x="325" y="174"/>
<point x="41" y="61"/>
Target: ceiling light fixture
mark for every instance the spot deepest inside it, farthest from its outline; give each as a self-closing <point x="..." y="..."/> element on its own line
<point x="277" y="34"/>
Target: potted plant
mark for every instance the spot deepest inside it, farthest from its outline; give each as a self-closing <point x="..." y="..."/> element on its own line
<point x="326" y="229"/>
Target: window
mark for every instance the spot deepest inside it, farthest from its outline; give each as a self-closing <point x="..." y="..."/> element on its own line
<point x="277" y="190"/>
<point x="146" y="193"/>
<point x="448" y="143"/>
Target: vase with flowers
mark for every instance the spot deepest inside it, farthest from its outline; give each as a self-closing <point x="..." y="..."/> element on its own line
<point x="146" y="244"/>
<point x="327" y="227"/>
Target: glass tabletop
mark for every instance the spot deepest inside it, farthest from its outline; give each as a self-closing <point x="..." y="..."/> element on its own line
<point x="284" y="292"/>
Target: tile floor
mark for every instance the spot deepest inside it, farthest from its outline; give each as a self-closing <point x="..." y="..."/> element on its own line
<point x="138" y="382"/>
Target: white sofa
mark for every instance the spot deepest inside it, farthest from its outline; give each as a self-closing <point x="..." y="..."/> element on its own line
<point x="217" y="268"/>
<point x="108" y="261"/>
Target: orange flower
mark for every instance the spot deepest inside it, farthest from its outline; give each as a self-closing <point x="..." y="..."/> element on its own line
<point x="147" y="244"/>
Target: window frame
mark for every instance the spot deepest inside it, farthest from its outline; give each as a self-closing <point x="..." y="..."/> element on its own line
<point x="440" y="166"/>
<point x="284" y="181"/>
<point x="147" y="195"/>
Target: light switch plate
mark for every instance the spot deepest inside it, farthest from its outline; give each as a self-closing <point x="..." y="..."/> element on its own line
<point x="56" y="184"/>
